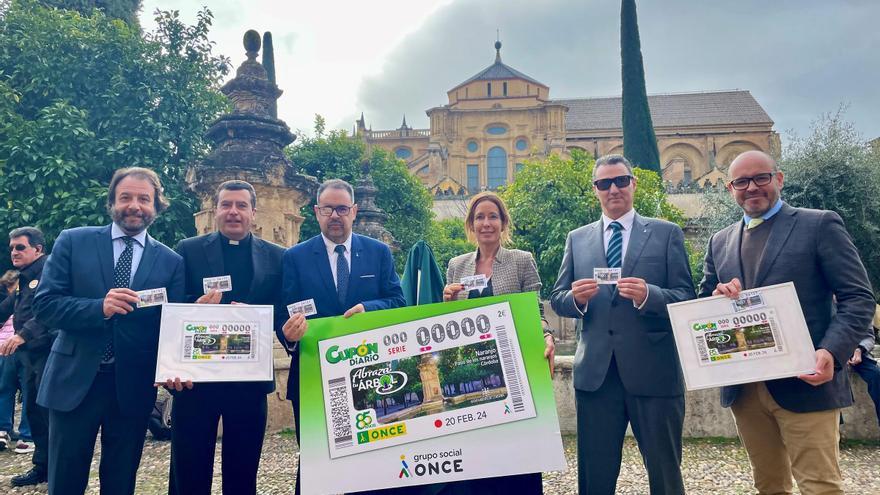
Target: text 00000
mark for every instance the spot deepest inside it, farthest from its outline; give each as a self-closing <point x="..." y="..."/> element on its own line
<point x="751" y="318"/>
<point x="453" y="330"/>
<point x="234" y="327"/>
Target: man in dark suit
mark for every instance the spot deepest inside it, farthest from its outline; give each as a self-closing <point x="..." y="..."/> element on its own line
<point x="790" y="426"/>
<point x="254" y="266"/>
<point x="100" y="371"/>
<point x="626" y="368"/>
<point x="344" y="273"/>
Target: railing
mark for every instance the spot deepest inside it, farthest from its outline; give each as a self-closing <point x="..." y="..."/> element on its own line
<point x="398" y="133"/>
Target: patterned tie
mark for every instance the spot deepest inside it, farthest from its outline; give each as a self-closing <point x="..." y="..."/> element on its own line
<point x="341" y="273"/>
<point x="754" y="222"/>
<point x="121" y="279"/>
<point x="615" y="246"/>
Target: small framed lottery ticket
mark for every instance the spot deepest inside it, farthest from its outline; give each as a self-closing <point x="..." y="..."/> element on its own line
<point x="215" y="343"/>
<point x="760" y="336"/>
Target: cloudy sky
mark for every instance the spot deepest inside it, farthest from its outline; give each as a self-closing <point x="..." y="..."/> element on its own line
<point x="387" y="58"/>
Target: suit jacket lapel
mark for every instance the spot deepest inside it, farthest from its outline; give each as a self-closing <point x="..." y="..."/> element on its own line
<point x="734" y="241"/>
<point x="214" y="254"/>
<point x="258" y="248"/>
<point x="322" y="262"/>
<point x="637" y="240"/>
<point x="104" y="247"/>
<point x="355" y="269"/>
<point x="781" y="229"/>
<point x="145" y="267"/>
<point x="596" y="246"/>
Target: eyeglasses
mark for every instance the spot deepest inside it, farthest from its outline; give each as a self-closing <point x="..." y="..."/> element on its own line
<point x="18" y="247"/>
<point x="620" y="181"/>
<point x="340" y="210"/>
<point x="760" y="180"/>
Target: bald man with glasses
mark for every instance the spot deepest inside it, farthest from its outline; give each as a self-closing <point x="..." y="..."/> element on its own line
<point x="789" y="427"/>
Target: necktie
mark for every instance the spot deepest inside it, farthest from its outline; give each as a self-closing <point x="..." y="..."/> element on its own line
<point x="341" y="273"/>
<point x="615" y="246"/>
<point x="754" y="222"/>
<point x="121" y="279"/>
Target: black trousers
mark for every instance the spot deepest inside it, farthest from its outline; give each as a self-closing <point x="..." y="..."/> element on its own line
<point x="194" y="420"/>
<point x="602" y="417"/>
<point x="72" y="438"/>
<point x="38" y="416"/>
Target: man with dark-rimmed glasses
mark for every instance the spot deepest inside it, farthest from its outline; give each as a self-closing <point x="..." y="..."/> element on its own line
<point x="344" y="273"/>
<point x="790" y="426"/>
<point x="626" y="369"/>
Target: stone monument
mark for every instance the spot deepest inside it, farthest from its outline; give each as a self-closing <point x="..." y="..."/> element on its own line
<point x="370" y="220"/>
<point x="249" y="145"/>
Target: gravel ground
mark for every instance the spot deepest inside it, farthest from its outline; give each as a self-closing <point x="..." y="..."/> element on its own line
<point x="710" y="467"/>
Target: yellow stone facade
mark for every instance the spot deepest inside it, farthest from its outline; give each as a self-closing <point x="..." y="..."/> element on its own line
<point x="500" y="117"/>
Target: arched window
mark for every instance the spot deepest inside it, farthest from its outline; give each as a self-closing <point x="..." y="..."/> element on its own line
<point x="497" y="170"/>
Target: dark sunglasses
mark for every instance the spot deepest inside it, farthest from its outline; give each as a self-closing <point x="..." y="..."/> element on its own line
<point x="620" y="181"/>
<point x="340" y="210"/>
<point x="18" y="247"/>
<point x="742" y="183"/>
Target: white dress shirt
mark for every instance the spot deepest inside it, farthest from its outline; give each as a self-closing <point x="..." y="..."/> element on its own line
<point x="140" y="240"/>
<point x="332" y="255"/>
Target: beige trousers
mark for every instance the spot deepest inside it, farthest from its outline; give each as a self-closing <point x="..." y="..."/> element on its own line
<point x="782" y="443"/>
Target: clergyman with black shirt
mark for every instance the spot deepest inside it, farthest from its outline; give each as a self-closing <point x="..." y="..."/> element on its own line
<point x="254" y="266"/>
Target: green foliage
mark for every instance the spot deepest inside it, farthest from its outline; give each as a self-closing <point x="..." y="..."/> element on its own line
<point x="447" y="239"/>
<point x="835" y="169"/>
<point x="125" y="10"/>
<point x="554" y="196"/>
<point x="404" y="199"/>
<point x="83" y="96"/>
<point x="639" y="141"/>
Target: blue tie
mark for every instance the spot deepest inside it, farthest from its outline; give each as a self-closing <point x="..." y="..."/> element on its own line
<point x="615" y="246"/>
<point x="121" y="279"/>
<point x="341" y="274"/>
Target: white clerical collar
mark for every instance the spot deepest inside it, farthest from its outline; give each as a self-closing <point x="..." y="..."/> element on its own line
<point x="116" y="233"/>
<point x="626" y="221"/>
<point x="331" y="246"/>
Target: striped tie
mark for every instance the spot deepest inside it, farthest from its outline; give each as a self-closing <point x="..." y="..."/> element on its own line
<point x="615" y="246"/>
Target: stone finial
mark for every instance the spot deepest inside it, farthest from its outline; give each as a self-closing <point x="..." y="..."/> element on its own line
<point x="251" y="42"/>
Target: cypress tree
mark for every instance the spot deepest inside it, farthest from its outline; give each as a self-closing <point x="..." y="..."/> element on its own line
<point x="639" y="141"/>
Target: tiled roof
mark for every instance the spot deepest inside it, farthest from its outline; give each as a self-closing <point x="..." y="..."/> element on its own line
<point x="669" y="110"/>
<point x="500" y="70"/>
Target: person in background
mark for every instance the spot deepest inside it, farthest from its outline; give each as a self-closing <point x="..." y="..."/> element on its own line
<point x="864" y="364"/>
<point x="29" y="345"/>
<point x="12" y="376"/>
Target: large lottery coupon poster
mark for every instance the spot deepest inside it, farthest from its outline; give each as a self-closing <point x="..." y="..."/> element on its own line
<point x="427" y="394"/>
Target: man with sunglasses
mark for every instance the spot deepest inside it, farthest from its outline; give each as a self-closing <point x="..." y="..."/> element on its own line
<point x="790" y="426"/>
<point x="30" y="344"/>
<point x="344" y="273"/>
<point x="626" y="368"/>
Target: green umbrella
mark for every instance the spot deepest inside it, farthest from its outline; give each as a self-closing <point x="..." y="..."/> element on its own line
<point x="422" y="279"/>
